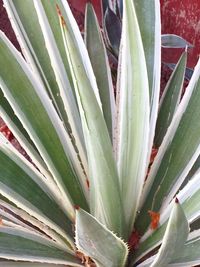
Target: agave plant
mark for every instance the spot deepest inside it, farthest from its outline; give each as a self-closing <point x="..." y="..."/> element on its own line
<point x="91" y="195"/>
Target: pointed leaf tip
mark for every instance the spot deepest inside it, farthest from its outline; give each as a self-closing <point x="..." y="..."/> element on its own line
<point x="96" y="241"/>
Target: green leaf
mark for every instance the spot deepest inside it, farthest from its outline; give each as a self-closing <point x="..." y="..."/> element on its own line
<point x="105" y="201"/>
<point x="22" y="245"/>
<point x="14" y="124"/>
<point x="174" y="238"/>
<point x="148" y="14"/>
<point x="37" y="114"/>
<point x="131" y="140"/>
<point x="45" y="57"/>
<point x="21" y="218"/>
<point x="149" y="22"/>
<point x="177" y="154"/>
<point x="100" y="64"/>
<point x="170" y="100"/>
<point x="174" y="41"/>
<point x="96" y="241"/>
<point x="26" y="187"/>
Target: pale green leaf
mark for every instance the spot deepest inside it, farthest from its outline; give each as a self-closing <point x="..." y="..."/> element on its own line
<point x="100" y="64"/>
<point x="132" y="114"/>
<point x="148" y="14"/>
<point x="170" y="100"/>
<point x="174" y="238"/>
<point x="189" y="256"/>
<point x="97" y="242"/>
<point x="105" y="202"/>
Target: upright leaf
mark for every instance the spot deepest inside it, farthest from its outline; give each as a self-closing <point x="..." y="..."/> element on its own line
<point x="100" y="64"/>
<point x="170" y="100"/>
<point x="105" y="200"/>
<point x="132" y="114"/>
<point x="148" y="14"/>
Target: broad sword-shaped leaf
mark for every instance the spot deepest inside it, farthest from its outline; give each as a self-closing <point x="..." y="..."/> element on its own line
<point x="97" y="242"/>
<point x="132" y="129"/>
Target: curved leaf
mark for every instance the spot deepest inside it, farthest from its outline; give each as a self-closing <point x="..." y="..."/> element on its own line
<point x="174" y="41"/>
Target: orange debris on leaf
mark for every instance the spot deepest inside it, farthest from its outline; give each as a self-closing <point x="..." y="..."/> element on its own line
<point x="155" y="218"/>
<point x="60" y="15"/>
<point x="87" y="261"/>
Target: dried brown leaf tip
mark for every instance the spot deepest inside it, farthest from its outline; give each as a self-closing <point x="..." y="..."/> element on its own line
<point x="88" y="183"/>
<point x="87" y="261"/>
<point x="76" y="207"/>
<point x="176" y="200"/>
<point x="155" y="218"/>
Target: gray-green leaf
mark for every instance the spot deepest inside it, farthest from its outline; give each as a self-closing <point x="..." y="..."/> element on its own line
<point x="97" y="242"/>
